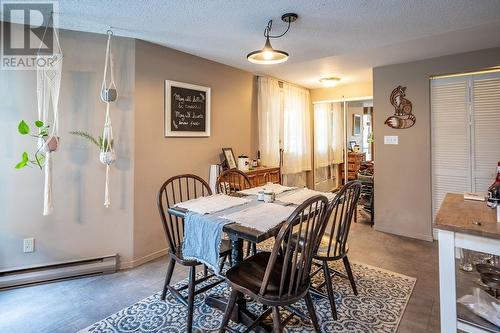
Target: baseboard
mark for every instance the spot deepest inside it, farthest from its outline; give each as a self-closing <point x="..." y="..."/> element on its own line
<point x="139" y="261"/>
<point x="427" y="238"/>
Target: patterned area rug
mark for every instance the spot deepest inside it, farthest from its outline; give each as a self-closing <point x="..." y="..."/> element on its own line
<point x="379" y="306"/>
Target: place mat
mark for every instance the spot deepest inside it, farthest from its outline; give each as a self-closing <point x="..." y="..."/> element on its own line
<point x="211" y="204"/>
<point x="299" y="196"/>
<point x="276" y="188"/>
<point x="262" y="217"/>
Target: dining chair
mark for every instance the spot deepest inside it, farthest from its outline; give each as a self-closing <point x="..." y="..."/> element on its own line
<point x="230" y="182"/>
<point x="281" y="277"/>
<point x="333" y="245"/>
<point x="174" y="190"/>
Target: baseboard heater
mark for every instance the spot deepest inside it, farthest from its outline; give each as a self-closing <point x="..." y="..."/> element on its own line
<point x="19" y="277"/>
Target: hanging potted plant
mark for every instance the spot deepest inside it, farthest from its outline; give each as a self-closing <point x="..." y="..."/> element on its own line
<point x="107" y="155"/>
<point x="46" y="143"/>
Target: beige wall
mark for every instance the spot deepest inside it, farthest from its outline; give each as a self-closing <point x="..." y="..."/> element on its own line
<point x="81" y="226"/>
<point x="233" y="124"/>
<point x="403" y="172"/>
<point x="352" y="90"/>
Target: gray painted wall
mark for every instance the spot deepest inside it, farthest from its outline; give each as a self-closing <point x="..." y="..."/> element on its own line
<point x="403" y="172"/>
<point x="80" y="226"/>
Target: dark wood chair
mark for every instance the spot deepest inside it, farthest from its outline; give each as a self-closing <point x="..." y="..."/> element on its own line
<point x="177" y="189"/>
<point x="282" y="277"/>
<point x="230" y="182"/>
<point x="333" y="245"/>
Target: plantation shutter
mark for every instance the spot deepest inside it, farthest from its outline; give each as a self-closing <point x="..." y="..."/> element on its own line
<point x="465" y="133"/>
<point x="450" y="148"/>
<point x="486" y="129"/>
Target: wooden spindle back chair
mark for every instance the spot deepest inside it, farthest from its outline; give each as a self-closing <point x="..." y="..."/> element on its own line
<point x="282" y="277"/>
<point x="232" y="181"/>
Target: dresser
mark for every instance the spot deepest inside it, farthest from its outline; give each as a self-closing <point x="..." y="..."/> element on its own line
<point x="261" y="175"/>
<point x="354" y="161"/>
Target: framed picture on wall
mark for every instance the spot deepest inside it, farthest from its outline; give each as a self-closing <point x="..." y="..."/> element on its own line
<point x="356" y="124"/>
<point x="187" y="110"/>
<point x="229" y="156"/>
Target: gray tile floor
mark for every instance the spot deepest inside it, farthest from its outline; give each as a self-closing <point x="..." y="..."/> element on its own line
<point x="72" y="305"/>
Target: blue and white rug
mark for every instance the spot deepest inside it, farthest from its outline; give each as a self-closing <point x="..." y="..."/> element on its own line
<point x="379" y="306"/>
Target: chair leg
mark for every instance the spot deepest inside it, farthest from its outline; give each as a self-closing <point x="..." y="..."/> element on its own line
<point x="192" y="278"/>
<point x="312" y="312"/>
<point x="347" y="266"/>
<point x="329" y="289"/>
<point x="277" y="328"/>
<point x="229" y="311"/>
<point x="254" y="248"/>
<point x="170" y="270"/>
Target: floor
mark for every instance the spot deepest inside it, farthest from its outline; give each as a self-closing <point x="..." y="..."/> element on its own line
<point x="72" y="305"/>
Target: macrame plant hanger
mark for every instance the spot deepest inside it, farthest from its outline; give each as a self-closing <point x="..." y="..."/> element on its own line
<point x="108" y="94"/>
<point x="48" y="84"/>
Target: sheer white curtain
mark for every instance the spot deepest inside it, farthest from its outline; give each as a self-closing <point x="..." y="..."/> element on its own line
<point x="269" y="117"/>
<point x="284" y="118"/>
<point x="296" y="134"/>
<point x="337" y="134"/>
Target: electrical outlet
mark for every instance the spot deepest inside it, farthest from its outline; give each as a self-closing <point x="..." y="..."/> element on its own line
<point x="29" y="245"/>
<point x="391" y="140"/>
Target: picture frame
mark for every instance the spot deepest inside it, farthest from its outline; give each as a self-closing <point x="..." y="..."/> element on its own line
<point x="356" y="124"/>
<point x="230" y="159"/>
<point x="351" y="145"/>
<point x="186" y="110"/>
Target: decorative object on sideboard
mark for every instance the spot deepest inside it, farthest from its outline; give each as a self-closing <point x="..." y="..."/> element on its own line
<point x="230" y="160"/>
<point x="267" y="55"/>
<point x="187" y="110"/>
<point x="403" y="116"/>
<point x="243" y="163"/>
<point x="107" y="154"/>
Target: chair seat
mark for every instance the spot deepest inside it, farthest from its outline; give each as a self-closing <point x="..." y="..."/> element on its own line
<point x="323" y="249"/>
<point x="248" y="275"/>
<point x="225" y="248"/>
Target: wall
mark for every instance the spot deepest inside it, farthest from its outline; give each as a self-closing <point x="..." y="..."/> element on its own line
<point x="80" y="226"/>
<point x="403" y="172"/>
<point x="233" y="124"/>
<point x="352" y="90"/>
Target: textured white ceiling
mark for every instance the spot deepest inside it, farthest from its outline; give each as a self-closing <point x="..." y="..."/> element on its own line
<point x="330" y="38"/>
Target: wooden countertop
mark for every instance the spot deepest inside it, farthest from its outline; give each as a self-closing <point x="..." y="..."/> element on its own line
<point x="457" y="214"/>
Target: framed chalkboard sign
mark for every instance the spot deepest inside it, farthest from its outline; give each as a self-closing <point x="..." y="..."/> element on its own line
<point x="187" y="110"/>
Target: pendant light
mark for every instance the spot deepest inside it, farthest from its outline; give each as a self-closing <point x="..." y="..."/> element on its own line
<point x="267" y="55"/>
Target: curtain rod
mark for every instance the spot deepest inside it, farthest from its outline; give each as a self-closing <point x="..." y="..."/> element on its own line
<point x="282" y="81"/>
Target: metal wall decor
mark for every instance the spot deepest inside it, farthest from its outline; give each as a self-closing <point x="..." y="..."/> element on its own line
<point x="403" y="116"/>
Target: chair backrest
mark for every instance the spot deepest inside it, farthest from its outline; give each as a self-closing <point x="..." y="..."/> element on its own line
<point x="294" y="247"/>
<point x="342" y="209"/>
<point x="174" y="190"/>
<point x="231" y="181"/>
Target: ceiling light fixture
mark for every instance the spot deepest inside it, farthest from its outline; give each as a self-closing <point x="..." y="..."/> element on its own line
<point x="267" y="55"/>
<point x="330" y="81"/>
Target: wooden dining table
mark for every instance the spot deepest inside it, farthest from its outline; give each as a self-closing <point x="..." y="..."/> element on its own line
<point x="237" y="234"/>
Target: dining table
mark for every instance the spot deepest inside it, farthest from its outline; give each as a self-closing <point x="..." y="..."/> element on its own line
<point x="237" y="234"/>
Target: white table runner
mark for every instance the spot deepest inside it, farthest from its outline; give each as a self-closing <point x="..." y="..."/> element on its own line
<point x="277" y="189"/>
<point x="212" y="203"/>
<point x="262" y="217"/>
<point x="299" y="196"/>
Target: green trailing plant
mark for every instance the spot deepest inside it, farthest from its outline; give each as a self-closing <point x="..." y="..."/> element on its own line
<point x="38" y="158"/>
<point x="96" y="141"/>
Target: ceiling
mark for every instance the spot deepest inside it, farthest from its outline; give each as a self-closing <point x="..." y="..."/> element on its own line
<point x="330" y="38"/>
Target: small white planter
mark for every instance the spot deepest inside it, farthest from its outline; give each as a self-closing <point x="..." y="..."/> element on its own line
<point x="107" y="157"/>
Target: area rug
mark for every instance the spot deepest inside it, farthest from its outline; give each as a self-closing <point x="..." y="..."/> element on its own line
<point x="379" y="306"/>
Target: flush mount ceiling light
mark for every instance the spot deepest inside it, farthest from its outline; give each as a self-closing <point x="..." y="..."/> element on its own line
<point x="267" y="55"/>
<point x="329" y="81"/>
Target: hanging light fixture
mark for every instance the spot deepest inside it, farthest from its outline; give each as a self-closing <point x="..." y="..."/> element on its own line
<point x="267" y="55"/>
<point x="329" y="81"/>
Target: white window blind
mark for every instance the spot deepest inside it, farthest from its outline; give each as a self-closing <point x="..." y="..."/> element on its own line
<point x="465" y="133"/>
